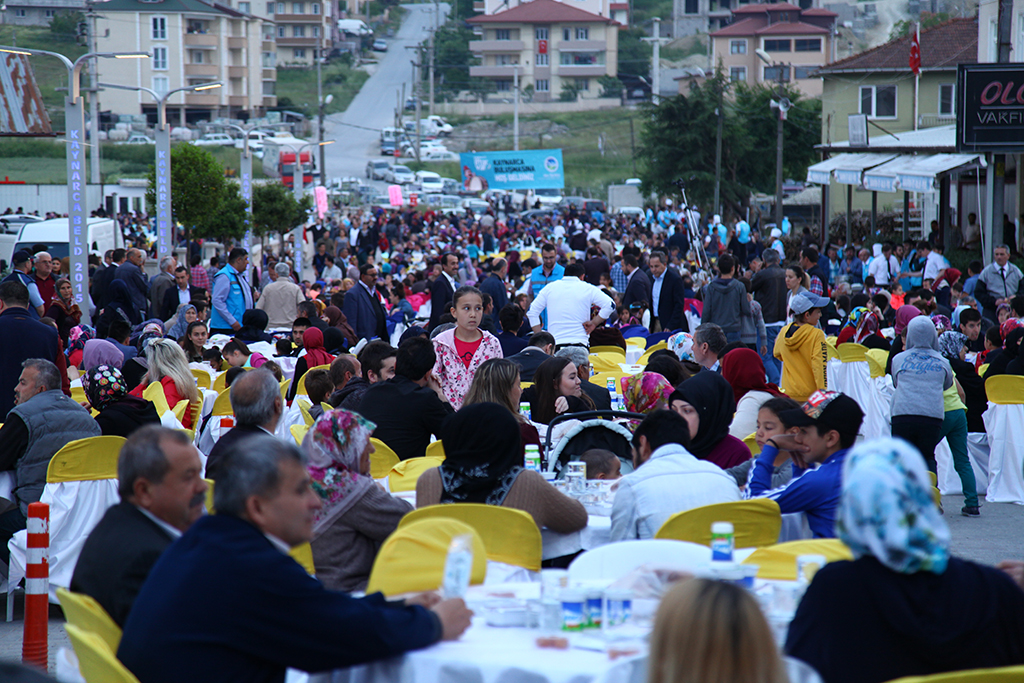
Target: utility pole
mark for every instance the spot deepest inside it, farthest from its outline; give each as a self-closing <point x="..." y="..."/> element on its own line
<point x="778" y="152"/>
<point x="94" y="108"/>
<point x="515" y="108"/>
<point x="655" y="61"/>
<point x="632" y="146"/>
<point x="998" y="161"/>
<point x="318" y="53"/>
<point x="720" y="113"/>
<point x="430" y="102"/>
<point x="416" y="93"/>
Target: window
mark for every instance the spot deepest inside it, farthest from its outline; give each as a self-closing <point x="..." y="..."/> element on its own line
<point x="506" y="60"/>
<point x="581" y="58"/>
<point x="800" y="72"/>
<point x="298" y="31"/>
<point x="299" y="53"/>
<point x="50" y="13"/>
<point x="268" y="32"/>
<point x="807" y="45"/>
<point x="946" y="99"/>
<point x="776" y="45"/>
<point x="1020" y="38"/>
<point x="161" y="84"/>
<point x="316" y="31"/>
<point x="542" y="85"/>
<point x="772" y="73"/>
<point x="245" y="7"/>
<point x="878" y="101"/>
<point x="582" y="33"/>
<point x="503" y="34"/>
<point x="21" y="13"/>
<point x="268" y="88"/>
<point x="269" y="60"/>
<point x="298" y="8"/>
<point x="159" y="58"/>
<point x="280" y="31"/>
<point x="993" y="41"/>
<point x="738" y="74"/>
<point x="691" y="7"/>
<point x="737" y="47"/>
<point x="270" y="8"/>
<point x="566" y="34"/>
<point x="542" y="60"/>
<point x="280" y="8"/>
<point x="196" y="57"/>
<point x="159" y="28"/>
<point x="315" y="8"/>
<point x="541" y="33"/>
<point x="503" y="85"/>
<point x="583" y="84"/>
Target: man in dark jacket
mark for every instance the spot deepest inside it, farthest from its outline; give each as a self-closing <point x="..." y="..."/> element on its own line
<point x="131" y="272"/>
<point x="362" y="307"/>
<point x="638" y="284"/>
<point x="541" y="346"/>
<point x="414" y="388"/>
<point x="769" y="288"/>
<point x="669" y="302"/>
<point x="162" y="493"/>
<point x="376" y="363"/>
<point x="725" y="300"/>
<point x="180" y="293"/>
<point x="226" y="602"/>
<point x="256" y="402"/>
<point x="494" y="284"/>
<point x="442" y="292"/>
<point x="104" y="276"/>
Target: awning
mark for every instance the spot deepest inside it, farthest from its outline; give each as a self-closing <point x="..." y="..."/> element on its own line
<point x="914" y="173"/>
<point x="847" y="168"/>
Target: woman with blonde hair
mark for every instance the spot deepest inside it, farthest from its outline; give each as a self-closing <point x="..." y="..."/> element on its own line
<point x="712" y="632"/>
<point x="169" y="366"/>
<point x="497" y="381"/>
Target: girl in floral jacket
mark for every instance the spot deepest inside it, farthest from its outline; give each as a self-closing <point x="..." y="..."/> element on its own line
<point x="462" y="349"/>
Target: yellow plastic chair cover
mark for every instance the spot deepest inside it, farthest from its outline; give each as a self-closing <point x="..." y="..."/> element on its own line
<point x="222" y="406"/>
<point x="203" y="380"/>
<point x="404" y="475"/>
<point x="636" y="341"/>
<point x="326" y="407"/>
<point x="382" y="459"/>
<point x="851" y="352"/>
<point x="1002" y="674"/>
<point x="78" y="395"/>
<point x="298" y="433"/>
<point x="525" y="385"/>
<point x="284" y="389"/>
<point x="301" y="389"/>
<point x="751" y="442"/>
<point x="647" y="354"/>
<point x="1005" y="389"/>
<point x="412" y="558"/>
<point x="155" y="393"/>
<point x="982" y="370"/>
<point x="87" y="614"/>
<point x="179" y="409"/>
<point x="304" y="409"/>
<point x="756" y="523"/>
<point x="96" y="661"/>
<point x="604" y="363"/>
<point x="831" y="349"/>
<point x="609" y="350"/>
<point x="303" y="554"/>
<point x="88" y="459"/>
<point x="510" y="536"/>
<point x="779" y="561"/>
<point x="601" y="378"/>
<point x="209" y="497"/>
<point x="435" y="450"/>
<point x="877" y="358"/>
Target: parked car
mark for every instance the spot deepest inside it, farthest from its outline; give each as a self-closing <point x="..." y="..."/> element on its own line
<point x="547" y="197"/>
<point x="138" y="139"/>
<point x="537" y="213"/>
<point x="790" y="187"/>
<point x="215" y="140"/>
<point x="439" y="155"/>
<point x="410" y="103"/>
<point x="380" y="45"/>
<point x="566" y="202"/>
<point x="451" y="186"/>
<point x="399" y="175"/>
<point x="429" y="181"/>
<point x="478" y="206"/>
<point x="377" y="169"/>
<point x="631" y="212"/>
<point x="593" y="205"/>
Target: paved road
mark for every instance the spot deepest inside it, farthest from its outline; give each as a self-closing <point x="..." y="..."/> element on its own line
<point x="373" y="108"/>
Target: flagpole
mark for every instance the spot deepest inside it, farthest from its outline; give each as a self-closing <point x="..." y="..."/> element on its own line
<point x="917" y="72"/>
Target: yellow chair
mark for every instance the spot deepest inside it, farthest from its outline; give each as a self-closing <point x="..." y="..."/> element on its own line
<point x="831" y="350"/>
<point x="412" y="558"/>
<point x="298" y="433"/>
<point x="203" y="380"/>
<point x="647" y="354"/>
<point x="609" y="350"/>
<point x="209" y="497"/>
<point x="636" y="341"/>
<point x="88" y="459"/>
<point x="982" y="370"/>
<point x="179" y="410"/>
<point x="779" y="561"/>
<point x="222" y="406"/>
<point x="382" y="459"/>
<point x="877" y="358"/>
<point x="435" y="450"/>
<point x="404" y="475"/>
<point x="220" y="382"/>
<point x="304" y="409"/>
<point x="601" y="378"/>
<point x="96" y="661"/>
<point x="1005" y="389"/>
<point x="525" y="385"/>
<point x="301" y="389"/>
<point x="87" y="614"/>
<point x="755" y="522"/>
<point x="284" y="389"/>
<point x="155" y="393"/>
<point x="851" y="352"/>
<point x="303" y="554"/>
<point x="1002" y="674"/>
<point x="751" y="442"/>
<point x="78" y="395"/>
<point x="510" y="536"/>
<point x="602" y="363"/>
<point x="326" y="407"/>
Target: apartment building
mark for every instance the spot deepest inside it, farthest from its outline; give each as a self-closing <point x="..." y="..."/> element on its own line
<point x="301" y="28"/>
<point x="191" y="42"/>
<point x="552" y="45"/>
<point x="36" y="12"/>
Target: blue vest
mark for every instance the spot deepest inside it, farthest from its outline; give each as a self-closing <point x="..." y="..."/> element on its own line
<point x="235" y="302"/>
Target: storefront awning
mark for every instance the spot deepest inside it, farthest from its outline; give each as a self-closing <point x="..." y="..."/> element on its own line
<point x="914" y="173"/>
<point x="847" y="168"/>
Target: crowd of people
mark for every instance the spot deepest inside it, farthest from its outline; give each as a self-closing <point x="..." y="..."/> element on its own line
<point x="478" y="332"/>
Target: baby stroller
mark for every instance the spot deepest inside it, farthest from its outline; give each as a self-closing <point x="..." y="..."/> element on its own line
<point x="591" y="432"/>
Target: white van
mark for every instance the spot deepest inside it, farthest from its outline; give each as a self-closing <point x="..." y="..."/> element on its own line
<point x="356" y="27"/>
<point x="104" y="233"/>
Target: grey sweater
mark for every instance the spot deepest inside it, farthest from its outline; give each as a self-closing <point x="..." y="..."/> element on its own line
<point x="725" y="302"/>
<point x="920" y="374"/>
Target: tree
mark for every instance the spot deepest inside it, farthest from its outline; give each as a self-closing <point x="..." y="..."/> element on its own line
<point x="452" y="58"/>
<point x="610" y="86"/>
<point x="569" y="92"/>
<point x="928" y="20"/>
<point x="64" y="26"/>
<point x="634" y="53"/>
<point x="229" y="221"/>
<point x="198" y="190"/>
<point x="275" y="210"/>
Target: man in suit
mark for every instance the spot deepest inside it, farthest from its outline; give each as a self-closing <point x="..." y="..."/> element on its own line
<point x="160" y="284"/>
<point x="131" y="272"/>
<point x="180" y="293"/>
<point x="257" y="404"/>
<point x="494" y="284"/>
<point x="162" y="493"/>
<point x="668" y="302"/>
<point x="363" y="308"/>
<point x="226" y="602"/>
<point x="443" y="290"/>
<point x="601" y="397"/>
<point x="638" y="285"/>
<point x="104" y="276"/>
<point x="24" y="338"/>
<point x="542" y="345"/>
<point x="414" y="388"/>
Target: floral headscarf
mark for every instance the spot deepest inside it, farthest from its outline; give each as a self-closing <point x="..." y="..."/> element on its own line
<point x="942" y="323"/>
<point x="886" y="509"/>
<point x="865" y="324"/>
<point x="334" y="446"/>
<point x="77" y="337"/>
<point x="104" y="385"/>
<point x="1008" y="326"/>
<point x="681" y="344"/>
<point x="950" y="344"/>
<point x="645" y="392"/>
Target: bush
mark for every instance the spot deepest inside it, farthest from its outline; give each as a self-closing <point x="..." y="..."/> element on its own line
<point x="569" y="93"/>
<point x="64" y="26"/>
<point x="610" y="86"/>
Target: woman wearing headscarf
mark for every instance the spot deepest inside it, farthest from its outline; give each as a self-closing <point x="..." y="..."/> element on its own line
<point x="63" y="309"/>
<point x="254" y="326"/>
<point x="77" y="338"/>
<point x="120" y="413"/>
<point x="863" y="327"/>
<point x="316" y="354"/>
<point x="743" y="369"/>
<point x="954" y="421"/>
<point x="119" y="307"/>
<point x="177" y="326"/>
<point x="101" y="352"/>
<point x="336" y="319"/>
<point x="707" y="402"/>
<point x="484" y="464"/>
<point x="357" y="514"/>
<point x="903" y="318"/>
<point x="904" y="606"/>
<point x="920" y="376"/>
<point x="645" y="392"/>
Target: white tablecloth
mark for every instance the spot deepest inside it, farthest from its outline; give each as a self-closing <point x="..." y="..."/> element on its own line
<point x="596" y="533"/>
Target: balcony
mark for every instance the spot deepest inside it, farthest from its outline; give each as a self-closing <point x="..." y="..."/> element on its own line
<point x="238" y="43"/>
<point x="238" y="101"/>
<point x="210" y="70"/>
<point x="298" y="18"/>
<point x="201" y="99"/>
<point x="298" y="42"/>
<point x="269" y="74"/>
<point x="932" y="120"/>
<point x="581" y="46"/>
<point x="582" y="70"/>
<point x="496" y="45"/>
<point x="201" y="40"/>
<point x="270" y="100"/>
<point x="479" y="5"/>
<point x="493" y="71"/>
<point x="238" y="71"/>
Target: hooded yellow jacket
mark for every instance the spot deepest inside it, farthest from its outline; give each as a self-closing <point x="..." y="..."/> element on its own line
<point x="804" y="355"/>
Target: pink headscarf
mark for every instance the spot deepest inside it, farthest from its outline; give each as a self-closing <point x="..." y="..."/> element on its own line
<point x="904" y="315"/>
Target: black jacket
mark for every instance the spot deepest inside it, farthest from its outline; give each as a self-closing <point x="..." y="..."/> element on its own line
<point x="598" y="394"/>
<point x="528" y="360"/>
<point x="117" y="557"/>
<point x="974" y="393"/>
<point x="170" y="303"/>
<point x="22" y="338"/>
<point x="225" y="443"/>
<point x="406" y="431"/>
<point x="671" y="302"/>
<point x="125" y="416"/>
<point x="441" y="295"/>
<point x="350" y="395"/>
<point x="638" y="289"/>
<point x="769" y="288"/>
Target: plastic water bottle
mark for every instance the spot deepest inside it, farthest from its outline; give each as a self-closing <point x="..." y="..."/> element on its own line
<point x="524" y="409"/>
<point x="722" y="542"/>
<point x="532" y="458"/>
<point x="458" y="567"/>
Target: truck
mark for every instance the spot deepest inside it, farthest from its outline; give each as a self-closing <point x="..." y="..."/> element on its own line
<point x="355" y="27"/>
<point x="624" y="195"/>
<point x="389" y="140"/>
<point x="279" y="160"/>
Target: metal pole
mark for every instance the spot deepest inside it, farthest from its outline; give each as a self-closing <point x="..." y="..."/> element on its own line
<point x="74" y="116"/>
<point x="430" y="102"/>
<point x="320" y="101"/>
<point x="515" y="108"/>
<point x="95" y="175"/>
<point x="298" y="179"/>
<point x="906" y="216"/>
<point x="778" y="155"/>
<point x="656" y="66"/>
<point x="849" y="210"/>
<point x="874" y="213"/>
<point x="998" y="162"/>
<point x="718" y="143"/>
<point x="416" y="93"/>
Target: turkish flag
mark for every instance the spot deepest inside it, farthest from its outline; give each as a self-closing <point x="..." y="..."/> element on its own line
<point x="542" y="47"/>
<point x="915" y="52"/>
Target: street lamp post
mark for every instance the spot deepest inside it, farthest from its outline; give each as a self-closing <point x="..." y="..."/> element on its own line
<point x="164" y="213"/>
<point x="298" y="185"/>
<point x="783" y="106"/>
<point x="74" y="133"/>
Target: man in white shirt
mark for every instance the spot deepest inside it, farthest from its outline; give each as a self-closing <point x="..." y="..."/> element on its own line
<point x="331" y="271"/>
<point x="568" y="303"/>
<point x="999" y="282"/>
<point x="667" y="479"/>
<point x="934" y="264"/>
<point x="884" y="267"/>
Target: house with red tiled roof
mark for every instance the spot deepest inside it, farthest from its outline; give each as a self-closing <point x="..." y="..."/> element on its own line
<point x="551" y="46"/>
<point x="878" y="82"/>
<point x="798" y="41"/>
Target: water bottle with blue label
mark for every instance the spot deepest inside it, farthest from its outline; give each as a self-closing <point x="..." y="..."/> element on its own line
<point x="458" y="567"/>
<point x="722" y="542"/>
<point x="532" y="458"/>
